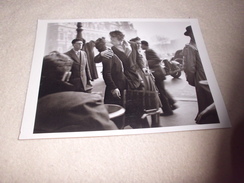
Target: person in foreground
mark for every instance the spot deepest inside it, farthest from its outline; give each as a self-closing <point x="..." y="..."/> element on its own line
<point x="72" y="112"/>
<point x="55" y="74"/>
<point x="62" y="109"/>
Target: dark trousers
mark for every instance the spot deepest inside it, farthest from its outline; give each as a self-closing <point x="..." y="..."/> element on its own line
<point x="166" y="99"/>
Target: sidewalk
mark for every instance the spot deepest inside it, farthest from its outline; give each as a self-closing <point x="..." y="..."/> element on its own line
<point x="184" y="115"/>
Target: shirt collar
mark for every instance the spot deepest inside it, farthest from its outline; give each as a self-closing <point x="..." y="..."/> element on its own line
<point x="77" y="51"/>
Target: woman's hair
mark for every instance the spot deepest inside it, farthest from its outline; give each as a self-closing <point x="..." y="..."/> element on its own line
<point x="100" y="44"/>
<point x="118" y="34"/>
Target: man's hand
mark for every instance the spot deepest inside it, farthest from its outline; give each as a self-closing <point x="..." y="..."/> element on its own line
<point x="107" y="53"/>
<point x="66" y="76"/>
<point x="116" y="93"/>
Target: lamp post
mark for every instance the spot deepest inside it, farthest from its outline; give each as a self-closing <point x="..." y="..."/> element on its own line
<point x="79" y="30"/>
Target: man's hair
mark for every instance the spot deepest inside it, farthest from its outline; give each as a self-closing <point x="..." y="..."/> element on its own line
<point x="76" y="40"/>
<point x="135" y="39"/>
<point x="118" y="34"/>
<point x="55" y="64"/>
<point x="144" y="43"/>
<point x="100" y="43"/>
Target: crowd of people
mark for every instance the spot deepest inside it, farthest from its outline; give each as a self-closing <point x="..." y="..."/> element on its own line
<point x="127" y="65"/>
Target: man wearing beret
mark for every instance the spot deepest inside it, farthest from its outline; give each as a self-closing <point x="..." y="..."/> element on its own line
<point x="80" y="76"/>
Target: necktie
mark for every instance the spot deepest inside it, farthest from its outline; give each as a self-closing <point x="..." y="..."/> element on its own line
<point x="78" y="54"/>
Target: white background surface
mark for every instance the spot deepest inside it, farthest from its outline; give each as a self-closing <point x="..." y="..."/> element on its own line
<point x="193" y="156"/>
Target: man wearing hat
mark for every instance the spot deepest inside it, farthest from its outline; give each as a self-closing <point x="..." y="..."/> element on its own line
<point x="80" y="76"/>
<point x="55" y="74"/>
<point x="195" y="73"/>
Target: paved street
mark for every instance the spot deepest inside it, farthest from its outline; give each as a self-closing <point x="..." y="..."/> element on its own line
<point x="181" y="91"/>
<point x="185" y="96"/>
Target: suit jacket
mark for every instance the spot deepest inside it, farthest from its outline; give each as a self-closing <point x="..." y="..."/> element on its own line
<point x="71" y="111"/>
<point x="80" y="76"/>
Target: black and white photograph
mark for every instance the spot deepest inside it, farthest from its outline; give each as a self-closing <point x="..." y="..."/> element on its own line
<point x="102" y="77"/>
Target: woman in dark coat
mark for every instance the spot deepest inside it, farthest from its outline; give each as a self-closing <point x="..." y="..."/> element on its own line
<point x="113" y="75"/>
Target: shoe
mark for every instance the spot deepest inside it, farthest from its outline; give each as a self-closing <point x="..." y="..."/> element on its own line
<point x="173" y="107"/>
<point x="167" y="114"/>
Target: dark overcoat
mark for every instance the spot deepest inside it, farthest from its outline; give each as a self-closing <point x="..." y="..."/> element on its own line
<point x="80" y="76"/>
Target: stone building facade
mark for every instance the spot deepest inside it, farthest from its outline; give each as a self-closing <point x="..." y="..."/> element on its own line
<point x="60" y="35"/>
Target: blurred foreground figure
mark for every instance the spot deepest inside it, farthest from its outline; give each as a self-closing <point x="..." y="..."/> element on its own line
<point x="55" y="74"/>
<point x="72" y="111"/>
<point x="59" y="109"/>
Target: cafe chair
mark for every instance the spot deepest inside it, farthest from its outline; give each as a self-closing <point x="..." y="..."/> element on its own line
<point x="143" y="104"/>
<point x="116" y="114"/>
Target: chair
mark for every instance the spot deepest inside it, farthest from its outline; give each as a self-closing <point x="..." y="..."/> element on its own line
<point x="140" y="104"/>
<point x="116" y="114"/>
